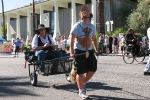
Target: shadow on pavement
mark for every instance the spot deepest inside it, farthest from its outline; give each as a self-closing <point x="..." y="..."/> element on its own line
<point x="97" y="86"/>
<point x="142" y="63"/>
<point x="11" y="87"/>
<point x="43" y="85"/>
<point x="145" y="98"/>
<point x="95" y="97"/>
<point x="90" y="87"/>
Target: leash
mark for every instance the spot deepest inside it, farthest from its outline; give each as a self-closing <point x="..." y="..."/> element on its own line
<point x="64" y="34"/>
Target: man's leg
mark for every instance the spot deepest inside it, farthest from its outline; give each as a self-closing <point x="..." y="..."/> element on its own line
<point x="80" y="81"/>
<point x="81" y="86"/>
<point x="15" y="51"/>
<point x="149" y="44"/>
<point x="147" y="68"/>
<point x="137" y="49"/>
<point x="80" y="67"/>
<point x="91" y="67"/>
<point x="88" y="76"/>
<point x="41" y="57"/>
<point x="110" y="48"/>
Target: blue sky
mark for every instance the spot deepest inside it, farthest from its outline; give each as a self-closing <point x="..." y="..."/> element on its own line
<point x="12" y="4"/>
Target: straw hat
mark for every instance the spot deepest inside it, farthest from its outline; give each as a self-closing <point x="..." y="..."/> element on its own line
<point x="41" y="26"/>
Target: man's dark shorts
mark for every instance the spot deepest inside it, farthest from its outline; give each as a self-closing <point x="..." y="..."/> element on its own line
<point x="123" y="48"/>
<point x="17" y="49"/>
<point x="83" y="65"/>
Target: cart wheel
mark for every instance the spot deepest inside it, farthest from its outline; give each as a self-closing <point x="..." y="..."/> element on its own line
<point x="68" y="78"/>
<point x="33" y="79"/>
<point x="68" y="70"/>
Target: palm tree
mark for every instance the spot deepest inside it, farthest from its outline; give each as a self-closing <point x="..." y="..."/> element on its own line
<point x="101" y="16"/>
<point x="3" y="18"/>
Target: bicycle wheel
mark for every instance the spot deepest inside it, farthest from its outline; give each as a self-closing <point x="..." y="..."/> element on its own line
<point x="33" y="79"/>
<point x="140" y="57"/>
<point x="128" y="57"/>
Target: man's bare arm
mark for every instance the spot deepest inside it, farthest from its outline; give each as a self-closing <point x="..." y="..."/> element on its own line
<point x="72" y="38"/>
<point x="94" y="40"/>
<point x="39" y="48"/>
<point x="42" y="47"/>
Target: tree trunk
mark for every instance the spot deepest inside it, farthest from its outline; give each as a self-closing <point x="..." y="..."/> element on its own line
<point x="101" y="16"/>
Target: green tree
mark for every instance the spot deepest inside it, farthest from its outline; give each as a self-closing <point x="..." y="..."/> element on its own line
<point x="3" y="29"/>
<point x="125" y="10"/>
<point x="139" y="19"/>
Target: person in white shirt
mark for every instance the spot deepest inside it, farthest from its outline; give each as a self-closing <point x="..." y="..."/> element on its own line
<point x="147" y="68"/>
<point x="148" y="35"/>
<point x="64" y="44"/>
<point x="144" y="42"/>
<point x="13" y="45"/>
<point x="59" y="42"/>
<point x="44" y="46"/>
<point x="123" y="44"/>
<point x="119" y="39"/>
<point x="106" y="44"/>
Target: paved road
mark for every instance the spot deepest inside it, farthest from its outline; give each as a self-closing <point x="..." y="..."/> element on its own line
<point x="114" y="80"/>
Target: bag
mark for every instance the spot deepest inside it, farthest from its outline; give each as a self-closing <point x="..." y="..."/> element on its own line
<point x="73" y="74"/>
<point x="30" y="56"/>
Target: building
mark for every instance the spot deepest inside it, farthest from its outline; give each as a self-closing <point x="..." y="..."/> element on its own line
<point x="59" y="15"/>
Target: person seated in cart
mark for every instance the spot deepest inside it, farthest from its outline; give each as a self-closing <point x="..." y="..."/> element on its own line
<point x="44" y="46"/>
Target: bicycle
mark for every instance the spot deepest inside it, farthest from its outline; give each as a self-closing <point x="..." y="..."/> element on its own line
<point x="130" y="55"/>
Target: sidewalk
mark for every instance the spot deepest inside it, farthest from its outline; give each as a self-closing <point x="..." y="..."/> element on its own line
<point x="10" y="55"/>
<point x="112" y="54"/>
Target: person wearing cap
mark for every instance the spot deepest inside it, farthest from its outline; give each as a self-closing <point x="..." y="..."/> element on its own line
<point x="44" y="46"/>
<point x="84" y="34"/>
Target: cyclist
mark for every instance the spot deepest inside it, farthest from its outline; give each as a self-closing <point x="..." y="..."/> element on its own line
<point x="131" y="38"/>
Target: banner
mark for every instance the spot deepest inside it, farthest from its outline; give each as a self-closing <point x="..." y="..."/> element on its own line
<point x="5" y="47"/>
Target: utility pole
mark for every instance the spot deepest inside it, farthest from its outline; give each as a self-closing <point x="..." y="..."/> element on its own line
<point x="33" y="16"/>
<point x="3" y="19"/>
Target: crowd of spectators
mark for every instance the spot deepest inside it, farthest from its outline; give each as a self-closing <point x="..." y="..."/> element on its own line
<point x="115" y="44"/>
